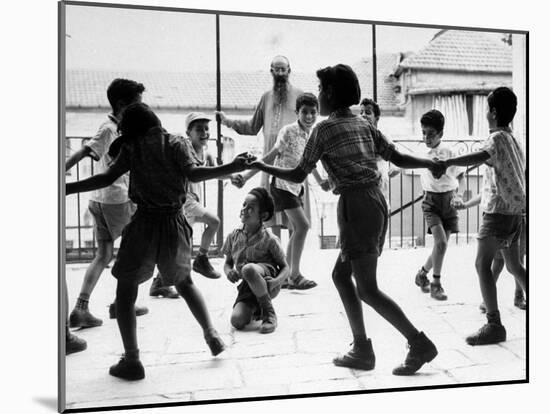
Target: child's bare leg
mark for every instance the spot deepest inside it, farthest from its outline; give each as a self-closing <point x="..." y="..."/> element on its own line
<point x="212" y="223"/>
<point x="101" y="260"/>
<point x="440" y="247"/>
<point x="514" y="264"/>
<point x="341" y="276"/>
<point x="497" y="266"/>
<point x="364" y="270"/>
<point x="300" y="227"/>
<point x="195" y="301"/>
<point x="486" y="249"/>
<point x="241" y="315"/>
<point x="126" y="295"/>
<point x="251" y="273"/>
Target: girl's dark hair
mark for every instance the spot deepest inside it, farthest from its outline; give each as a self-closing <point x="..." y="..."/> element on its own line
<point x="433" y="118"/>
<point x="505" y="102"/>
<point x="306" y="99"/>
<point x="136" y="120"/>
<point x="345" y="85"/>
<point x="265" y="201"/>
<point x="375" y="107"/>
<point x="123" y="89"/>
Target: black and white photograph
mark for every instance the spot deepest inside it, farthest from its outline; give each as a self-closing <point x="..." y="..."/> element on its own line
<point x="288" y="208"/>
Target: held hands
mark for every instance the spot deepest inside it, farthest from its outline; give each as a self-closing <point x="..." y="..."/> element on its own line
<point x="244" y="161"/>
<point x="325" y="185"/>
<point x="238" y="180"/>
<point x="458" y="203"/>
<point x="233" y="276"/>
<point x="438" y="168"/>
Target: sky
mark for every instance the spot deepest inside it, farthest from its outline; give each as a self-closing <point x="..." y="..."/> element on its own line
<point x="150" y="40"/>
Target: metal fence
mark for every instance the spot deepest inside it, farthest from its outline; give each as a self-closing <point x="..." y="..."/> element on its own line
<point x="407" y="227"/>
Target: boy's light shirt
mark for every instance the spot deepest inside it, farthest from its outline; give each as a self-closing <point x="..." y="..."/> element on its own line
<point x="448" y="181"/>
<point x="290" y="143"/>
<point x="116" y="193"/>
<point x="504" y="179"/>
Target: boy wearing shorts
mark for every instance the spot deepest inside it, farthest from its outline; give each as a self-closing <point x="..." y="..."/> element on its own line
<point x="439" y="195"/>
<point x="288" y="196"/>
<point x="503" y="201"/>
<point x="110" y="207"/>
<point x="255" y="256"/>
<point x="348" y="146"/>
<point x="158" y="234"/>
<point x="198" y="133"/>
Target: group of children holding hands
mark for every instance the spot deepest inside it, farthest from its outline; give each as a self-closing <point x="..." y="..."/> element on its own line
<point x="164" y="169"/>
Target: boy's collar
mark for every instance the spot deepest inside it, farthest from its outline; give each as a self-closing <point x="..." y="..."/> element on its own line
<point x="340" y="112"/>
<point x="113" y="118"/>
<point x="260" y="228"/>
<point x="501" y="128"/>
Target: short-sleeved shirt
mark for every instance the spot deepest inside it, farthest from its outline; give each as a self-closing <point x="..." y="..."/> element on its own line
<point x="116" y="193"/>
<point x="448" y="181"/>
<point x="260" y="247"/>
<point x="349" y="148"/>
<point x="291" y="142"/>
<point x="195" y="189"/>
<point x="156" y="163"/>
<point x="504" y="189"/>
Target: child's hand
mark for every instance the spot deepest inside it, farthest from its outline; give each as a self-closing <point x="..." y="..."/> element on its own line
<point x="271" y="283"/>
<point x="458" y="203"/>
<point x="256" y="165"/>
<point x="438" y="168"/>
<point x="220" y="116"/>
<point x="325" y="185"/>
<point x="243" y="160"/>
<point x="238" y="180"/>
<point x="233" y="276"/>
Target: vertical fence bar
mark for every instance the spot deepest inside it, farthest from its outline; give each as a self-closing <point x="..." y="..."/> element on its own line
<point x="389" y="208"/>
<point x="219" y="142"/>
<point x="412" y="209"/>
<point x="374" y="70"/>
<point x="468" y="210"/>
<point x="78" y="214"/>
<point x="401" y="212"/>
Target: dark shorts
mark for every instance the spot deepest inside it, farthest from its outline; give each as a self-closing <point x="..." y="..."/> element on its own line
<point x="155" y="238"/>
<point x="362" y="215"/>
<point x="285" y="200"/>
<point x="505" y="228"/>
<point x="522" y="241"/>
<point x="438" y="210"/>
<point x="246" y="295"/>
<point x="110" y="219"/>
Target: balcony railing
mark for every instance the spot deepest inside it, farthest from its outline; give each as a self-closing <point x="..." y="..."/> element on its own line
<point x="407" y="227"/>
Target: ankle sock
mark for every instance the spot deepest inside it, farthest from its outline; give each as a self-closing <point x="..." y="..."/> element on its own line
<point x="436" y="279"/>
<point x="82" y="302"/>
<point x="132" y="354"/>
<point x="494" y="317"/>
<point x="424" y="270"/>
<point x="360" y="339"/>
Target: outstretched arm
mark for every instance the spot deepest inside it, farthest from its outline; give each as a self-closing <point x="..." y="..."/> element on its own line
<point x="240" y="162"/>
<point x="77" y="156"/>
<point x="296" y="175"/>
<point x="478" y="157"/>
<point x="96" y="181"/>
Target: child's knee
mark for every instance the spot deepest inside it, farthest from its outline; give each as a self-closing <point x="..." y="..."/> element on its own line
<point x="249" y="271"/>
<point x="440" y="246"/>
<point x="212" y="221"/>
<point x="515" y="268"/>
<point x="184" y="285"/>
<point x="239" y="321"/>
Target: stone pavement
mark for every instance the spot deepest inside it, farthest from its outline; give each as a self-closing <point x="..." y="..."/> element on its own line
<point x="296" y="358"/>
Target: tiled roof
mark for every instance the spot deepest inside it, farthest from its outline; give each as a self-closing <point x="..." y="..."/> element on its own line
<point x="167" y="90"/>
<point x="460" y="50"/>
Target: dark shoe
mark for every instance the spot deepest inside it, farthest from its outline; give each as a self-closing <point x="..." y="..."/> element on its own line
<point x="80" y="318"/>
<point x="490" y="333"/>
<point x="421" y="280"/>
<point x="202" y="265"/>
<point x="214" y="342"/>
<point x="269" y="320"/>
<point x="421" y="351"/>
<point x="437" y="292"/>
<point x="140" y="310"/>
<point x="519" y="301"/>
<point x="482" y="307"/>
<point x="130" y="370"/>
<point x="74" y="344"/>
<point x="301" y="283"/>
<point x="157" y="289"/>
<point x="358" y="357"/>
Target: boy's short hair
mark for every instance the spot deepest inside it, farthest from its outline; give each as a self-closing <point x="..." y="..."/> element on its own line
<point x="265" y="201"/>
<point x="344" y="83"/>
<point x="123" y="89"/>
<point x="505" y="102"/>
<point x="306" y="99"/>
<point x="375" y="107"/>
<point x="433" y="118"/>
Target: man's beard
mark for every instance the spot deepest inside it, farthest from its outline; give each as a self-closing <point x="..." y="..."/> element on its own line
<point x="280" y="89"/>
